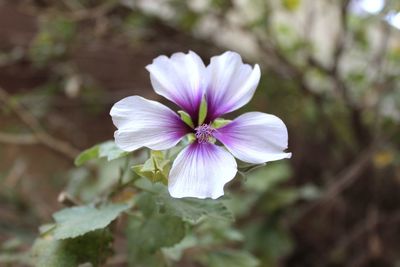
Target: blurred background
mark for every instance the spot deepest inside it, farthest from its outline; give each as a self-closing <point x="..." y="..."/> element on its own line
<point x="330" y="71"/>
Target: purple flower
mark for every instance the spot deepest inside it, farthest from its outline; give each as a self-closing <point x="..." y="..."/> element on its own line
<point x="202" y="168"/>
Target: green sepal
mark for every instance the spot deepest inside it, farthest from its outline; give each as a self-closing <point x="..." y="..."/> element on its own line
<point x="202" y="111"/>
<point x="186" y="118"/>
<point x="191" y="138"/>
<point x="220" y="122"/>
<point x="156" y="168"/>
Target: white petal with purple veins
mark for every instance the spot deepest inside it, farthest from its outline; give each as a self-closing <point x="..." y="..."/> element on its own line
<point x="201" y="170"/>
<point x="145" y="123"/>
<point x="255" y="137"/>
<point x="180" y="79"/>
<point x="231" y="83"/>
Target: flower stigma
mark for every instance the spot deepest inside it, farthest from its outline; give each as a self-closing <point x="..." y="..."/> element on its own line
<point x="204" y="133"/>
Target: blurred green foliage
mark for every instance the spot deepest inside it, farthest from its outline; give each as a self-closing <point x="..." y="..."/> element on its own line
<point x="55" y="33"/>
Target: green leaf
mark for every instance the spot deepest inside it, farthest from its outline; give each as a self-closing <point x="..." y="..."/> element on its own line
<point x="87" y="186"/>
<point x="279" y="199"/>
<point x="46" y="228"/>
<point x="268" y="177"/>
<point x="231" y="258"/>
<point x="186" y="118"/>
<point x="191" y="210"/>
<point x="271" y="240"/>
<point x="218" y="231"/>
<point x="147" y="204"/>
<point x="145" y="239"/>
<point x="111" y="151"/>
<point x="202" y="111"/>
<point x="146" y="185"/>
<point x="86" y="155"/>
<point x="91" y="248"/>
<point x="107" y="149"/>
<point x="277" y="241"/>
<point x="175" y="253"/>
<point x="76" y="221"/>
<point x="245" y="169"/>
<point x="158" y="231"/>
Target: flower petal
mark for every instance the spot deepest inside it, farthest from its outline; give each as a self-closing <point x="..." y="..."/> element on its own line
<point x="255" y="137"/>
<point x="231" y="84"/>
<point x="143" y="122"/>
<point x="201" y="170"/>
<point x="180" y="79"/>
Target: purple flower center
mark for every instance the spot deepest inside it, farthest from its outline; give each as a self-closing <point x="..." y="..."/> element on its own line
<point x="204" y="133"/>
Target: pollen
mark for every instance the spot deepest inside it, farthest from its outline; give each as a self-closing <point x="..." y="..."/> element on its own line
<point x="204" y="133"/>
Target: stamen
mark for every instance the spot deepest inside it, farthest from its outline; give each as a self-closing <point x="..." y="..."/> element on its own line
<point x="204" y="133"/>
